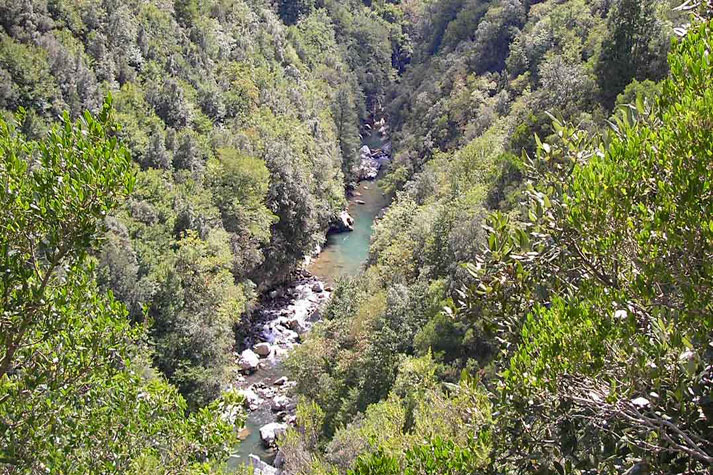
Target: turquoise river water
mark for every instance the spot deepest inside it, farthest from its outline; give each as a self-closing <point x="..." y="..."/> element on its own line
<point x="343" y="255"/>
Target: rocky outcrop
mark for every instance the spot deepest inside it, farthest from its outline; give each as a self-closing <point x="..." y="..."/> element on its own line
<point x="260" y="467"/>
<point x="343" y="223"/>
<point x="371" y="161"/>
<point x="368" y="166"/>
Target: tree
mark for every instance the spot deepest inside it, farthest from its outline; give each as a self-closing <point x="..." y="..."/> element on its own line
<point x="75" y="391"/>
<point x="186" y="11"/>
<point x="635" y="48"/>
<point x="292" y="10"/>
<point x="346" y="120"/>
<point x="194" y="313"/>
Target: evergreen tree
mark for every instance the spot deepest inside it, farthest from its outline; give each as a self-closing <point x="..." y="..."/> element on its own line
<point x="635" y="48"/>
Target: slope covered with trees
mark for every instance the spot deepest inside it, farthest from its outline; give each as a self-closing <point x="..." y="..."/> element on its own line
<point x="77" y="394"/>
<point x="529" y="303"/>
<point x="242" y="132"/>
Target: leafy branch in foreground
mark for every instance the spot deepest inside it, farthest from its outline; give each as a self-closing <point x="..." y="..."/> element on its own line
<point x="76" y="393"/>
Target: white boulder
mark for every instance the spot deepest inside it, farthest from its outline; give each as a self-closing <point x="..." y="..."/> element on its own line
<point x="252" y="400"/>
<point x="279" y="403"/>
<point x="260" y="467"/>
<point x="269" y="433"/>
<point x="249" y="361"/>
<point x="281" y="381"/>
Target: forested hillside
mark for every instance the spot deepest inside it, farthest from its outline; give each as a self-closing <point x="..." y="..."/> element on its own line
<point x="242" y="134"/>
<point x="536" y="297"/>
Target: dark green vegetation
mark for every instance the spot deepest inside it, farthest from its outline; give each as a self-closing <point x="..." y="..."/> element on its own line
<point x="537" y="297"/>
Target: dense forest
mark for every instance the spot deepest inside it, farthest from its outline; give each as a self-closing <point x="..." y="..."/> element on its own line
<point x="535" y="299"/>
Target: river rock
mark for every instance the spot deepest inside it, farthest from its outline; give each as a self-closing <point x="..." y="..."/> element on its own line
<point x="249" y="361"/>
<point x="265" y="392"/>
<point x="365" y="152"/>
<point x="252" y="400"/>
<point x="260" y="467"/>
<point x="270" y="432"/>
<point x="297" y="325"/>
<point x="344" y="223"/>
<point x="318" y="287"/>
<point x="279" y="403"/>
<point x="262" y="349"/>
<point x="360" y="202"/>
<point x="281" y="381"/>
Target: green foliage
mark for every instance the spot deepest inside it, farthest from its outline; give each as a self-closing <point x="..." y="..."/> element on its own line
<point x="76" y="393"/>
<point x="622" y="222"/>
<point x="635" y="48"/>
<point x="243" y="129"/>
<point x="240" y="185"/>
<point x="437" y="457"/>
<point x="572" y="283"/>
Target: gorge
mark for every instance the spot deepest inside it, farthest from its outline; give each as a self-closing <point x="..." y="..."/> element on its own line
<point x="294" y="308"/>
<point x="205" y="269"/>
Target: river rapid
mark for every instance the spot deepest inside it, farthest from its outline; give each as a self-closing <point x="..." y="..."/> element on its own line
<point x="288" y="313"/>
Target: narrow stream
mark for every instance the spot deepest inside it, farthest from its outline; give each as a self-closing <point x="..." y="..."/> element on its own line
<point x="343" y="255"/>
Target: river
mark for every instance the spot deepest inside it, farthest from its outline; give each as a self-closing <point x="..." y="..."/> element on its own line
<point x="343" y="255"/>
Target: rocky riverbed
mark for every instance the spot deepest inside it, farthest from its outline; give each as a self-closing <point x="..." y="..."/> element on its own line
<point x="285" y="315"/>
<point x="288" y="313"/>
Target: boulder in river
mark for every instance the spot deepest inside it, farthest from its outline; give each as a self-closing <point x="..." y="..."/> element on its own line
<point x="365" y="152"/>
<point x="368" y="168"/>
<point x="260" y="467"/>
<point x="269" y="433"/>
<point x="318" y="287"/>
<point x="344" y="223"/>
<point x="249" y="361"/>
<point x="252" y="400"/>
<point x="279" y="403"/>
<point x="297" y="326"/>
<point x="281" y="381"/>
<point x="262" y="349"/>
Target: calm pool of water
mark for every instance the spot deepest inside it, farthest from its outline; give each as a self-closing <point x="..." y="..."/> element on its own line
<point x="343" y="255"/>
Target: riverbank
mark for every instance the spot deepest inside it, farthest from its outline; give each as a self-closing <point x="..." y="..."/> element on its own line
<point x="287" y="313"/>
